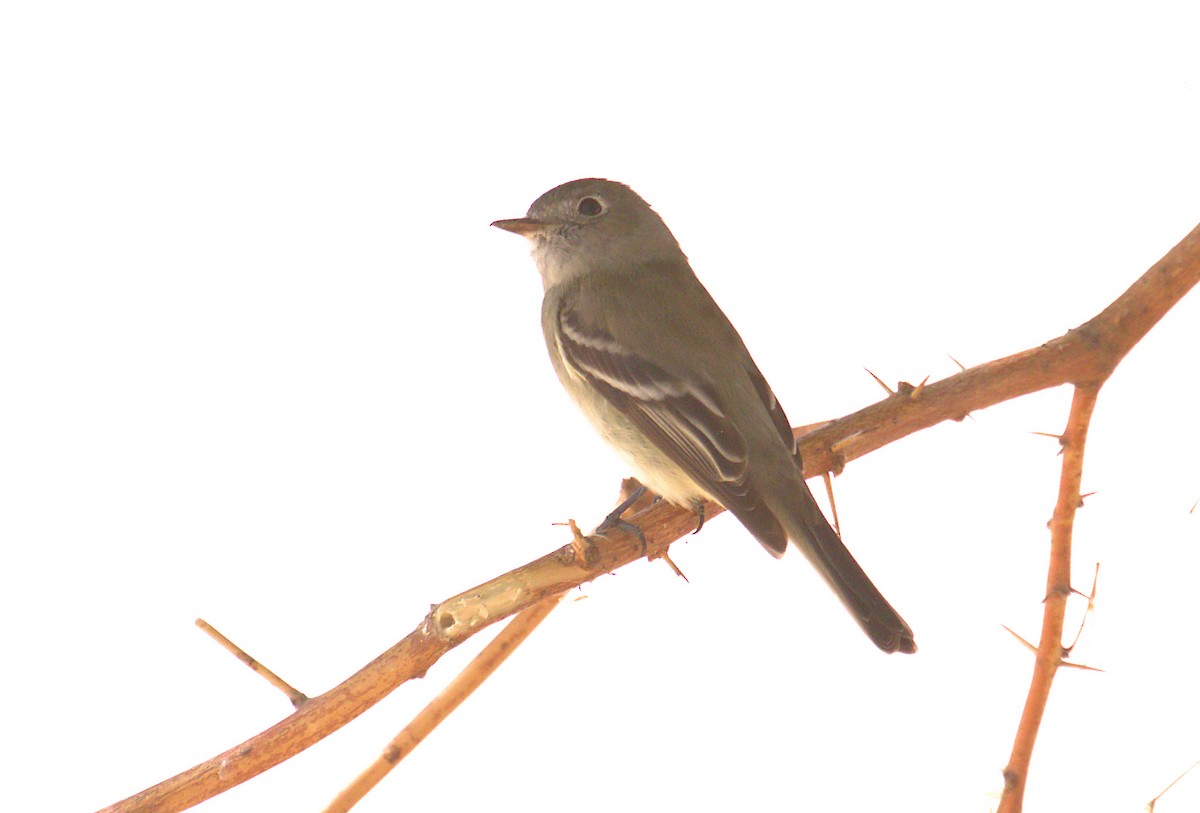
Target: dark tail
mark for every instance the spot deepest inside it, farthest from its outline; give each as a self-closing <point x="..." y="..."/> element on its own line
<point x="811" y="533"/>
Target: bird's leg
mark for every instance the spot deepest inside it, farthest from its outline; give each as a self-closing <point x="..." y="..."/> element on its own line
<point x="613" y="520"/>
<point x="697" y="507"/>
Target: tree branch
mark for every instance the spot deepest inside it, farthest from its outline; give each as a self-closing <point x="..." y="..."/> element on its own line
<point x="1083" y="356"/>
<point x="1087" y="354"/>
<point x="1054" y="608"/>
<point x="481" y="667"/>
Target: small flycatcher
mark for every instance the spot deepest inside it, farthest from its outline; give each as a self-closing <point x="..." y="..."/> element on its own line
<point x="659" y="370"/>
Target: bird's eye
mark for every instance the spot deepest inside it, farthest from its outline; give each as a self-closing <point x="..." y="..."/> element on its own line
<point x="590" y="207"/>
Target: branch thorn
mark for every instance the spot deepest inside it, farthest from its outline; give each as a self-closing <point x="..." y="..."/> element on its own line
<point x="879" y="381"/>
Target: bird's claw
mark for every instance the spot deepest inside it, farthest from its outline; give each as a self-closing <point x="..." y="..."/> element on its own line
<point x="614" y="521"/>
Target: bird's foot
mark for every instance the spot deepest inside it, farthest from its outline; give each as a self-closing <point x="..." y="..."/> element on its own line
<point x="614" y="521"/>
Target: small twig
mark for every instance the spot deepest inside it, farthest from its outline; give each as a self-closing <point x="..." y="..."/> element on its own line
<point x="1150" y="804"/>
<point x="297" y="697"/>
<point x="1086" y="354"/>
<point x="459" y="689"/>
<point x="1058" y="588"/>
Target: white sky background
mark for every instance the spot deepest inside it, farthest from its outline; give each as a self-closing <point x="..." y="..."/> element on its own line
<point x="263" y="361"/>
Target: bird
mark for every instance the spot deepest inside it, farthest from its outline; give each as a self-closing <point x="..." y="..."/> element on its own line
<point x="661" y="373"/>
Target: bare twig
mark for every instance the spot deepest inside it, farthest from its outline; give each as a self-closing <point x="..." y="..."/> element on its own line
<point x="459" y="689"/>
<point x="1058" y="589"/>
<point x="1087" y="354"/>
<point x="1150" y="804"/>
<point x="297" y="697"/>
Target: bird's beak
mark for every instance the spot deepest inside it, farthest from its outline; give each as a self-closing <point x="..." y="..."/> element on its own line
<point x="524" y="226"/>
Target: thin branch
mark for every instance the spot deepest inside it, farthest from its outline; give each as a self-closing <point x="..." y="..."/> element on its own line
<point x="479" y="669"/>
<point x="447" y="625"/>
<point x="1150" y="804"/>
<point x="297" y="697"/>
<point x="1087" y="354"/>
<point x="1058" y="590"/>
<point x="1082" y="355"/>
